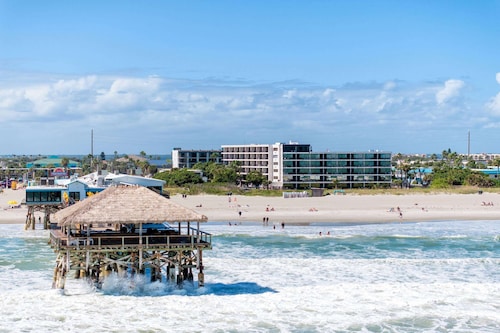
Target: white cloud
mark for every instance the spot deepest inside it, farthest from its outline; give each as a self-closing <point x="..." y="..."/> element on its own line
<point x="494" y="103"/>
<point x="389" y="85"/>
<point x="450" y="90"/>
<point x="204" y="111"/>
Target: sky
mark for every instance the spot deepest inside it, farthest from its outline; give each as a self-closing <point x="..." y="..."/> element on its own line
<point x="411" y="77"/>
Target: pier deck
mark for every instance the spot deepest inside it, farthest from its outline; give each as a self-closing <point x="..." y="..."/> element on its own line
<point x="125" y="230"/>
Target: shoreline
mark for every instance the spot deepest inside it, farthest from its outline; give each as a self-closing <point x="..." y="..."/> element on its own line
<point x="333" y="209"/>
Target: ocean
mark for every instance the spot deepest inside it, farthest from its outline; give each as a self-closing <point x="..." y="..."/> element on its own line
<point x="401" y="277"/>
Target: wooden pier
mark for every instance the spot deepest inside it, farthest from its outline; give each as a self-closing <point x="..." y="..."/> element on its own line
<point x="128" y="230"/>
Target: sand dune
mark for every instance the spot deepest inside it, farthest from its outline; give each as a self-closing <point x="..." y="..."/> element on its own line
<point x="349" y="208"/>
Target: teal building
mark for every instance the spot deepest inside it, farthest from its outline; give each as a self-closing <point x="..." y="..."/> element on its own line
<point x="303" y="169"/>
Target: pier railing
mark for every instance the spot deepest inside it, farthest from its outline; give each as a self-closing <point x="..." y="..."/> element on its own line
<point x="101" y="240"/>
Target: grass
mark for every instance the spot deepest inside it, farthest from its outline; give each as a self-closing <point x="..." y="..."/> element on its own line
<point x="224" y="189"/>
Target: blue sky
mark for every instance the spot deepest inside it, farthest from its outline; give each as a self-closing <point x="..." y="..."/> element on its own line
<point x="401" y="76"/>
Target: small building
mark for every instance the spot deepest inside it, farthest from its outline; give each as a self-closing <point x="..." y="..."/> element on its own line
<point x="492" y="173"/>
<point x="52" y="161"/>
<point x="126" y="230"/>
<point x="55" y="194"/>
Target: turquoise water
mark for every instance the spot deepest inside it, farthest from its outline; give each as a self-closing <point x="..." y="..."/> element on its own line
<point x="410" y="277"/>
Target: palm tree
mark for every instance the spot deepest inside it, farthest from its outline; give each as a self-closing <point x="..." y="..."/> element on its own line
<point x="145" y="167"/>
<point x="335" y="182"/>
<point x="65" y="163"/>
<point x="236" y="166"/>
<point x="404" y="168"/>
<point x="496" y="162"/>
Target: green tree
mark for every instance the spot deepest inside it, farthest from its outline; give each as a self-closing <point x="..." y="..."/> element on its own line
<point x="179" y="177"/>
<point x="496" y="162"/>
<point x="64" y="162"/>
<point x="479" y="179"/>
<point x="335" y="182"/>
<point x="404" y="168"/>
<point x="214" y="156"/>
<point x="471" y="164"/>
<point x="145" y="167"/>
<point x="255" y="178"/>
<point x="236" y="167"/>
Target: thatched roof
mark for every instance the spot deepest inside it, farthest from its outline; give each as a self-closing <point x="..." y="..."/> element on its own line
<point x="126" y="204"/>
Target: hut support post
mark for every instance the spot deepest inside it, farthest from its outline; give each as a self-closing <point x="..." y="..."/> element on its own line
<point x="201" y="276"/>
<point x="140" y="260"/>
<point x="30" y="218"/>
<point x="46" y="220"/>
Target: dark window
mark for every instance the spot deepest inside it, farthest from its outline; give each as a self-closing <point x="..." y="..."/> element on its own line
<point x="75" y="196"/>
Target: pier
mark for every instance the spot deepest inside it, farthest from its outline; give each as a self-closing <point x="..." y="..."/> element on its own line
<point x="128" y="230"/>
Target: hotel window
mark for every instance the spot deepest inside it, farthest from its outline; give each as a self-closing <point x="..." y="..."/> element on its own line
<point x="304" y="163"/>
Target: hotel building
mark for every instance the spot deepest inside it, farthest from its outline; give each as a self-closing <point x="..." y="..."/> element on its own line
<point x="188" y="158"/>
<point x="296" y="166"/>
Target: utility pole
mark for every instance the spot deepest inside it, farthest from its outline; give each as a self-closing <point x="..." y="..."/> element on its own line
<point x="92" y="149"/>
<point x="468" y="144"/>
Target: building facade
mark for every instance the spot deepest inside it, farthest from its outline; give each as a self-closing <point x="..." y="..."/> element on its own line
<point x="303" y="170"/>
<point x="296" y="166"/>
<point x="188" y="158"/>
<point x="253" y="157"/>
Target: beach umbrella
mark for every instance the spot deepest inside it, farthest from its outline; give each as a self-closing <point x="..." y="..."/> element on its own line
<point x="12" y="202"/>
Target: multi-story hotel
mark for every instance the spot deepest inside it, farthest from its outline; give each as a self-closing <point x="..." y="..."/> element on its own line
<point x="253" y="157"/>
<point x="296" y="166"/>
<point x="188" y="158"/>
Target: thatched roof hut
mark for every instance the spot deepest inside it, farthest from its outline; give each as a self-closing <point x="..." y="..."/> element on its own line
<point x="125" y="205"/>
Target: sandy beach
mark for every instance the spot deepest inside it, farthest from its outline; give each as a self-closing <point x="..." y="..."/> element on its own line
<point x="349" y="208"/>
<point x="346" y="208"/>
<point x="9" y="214"/>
